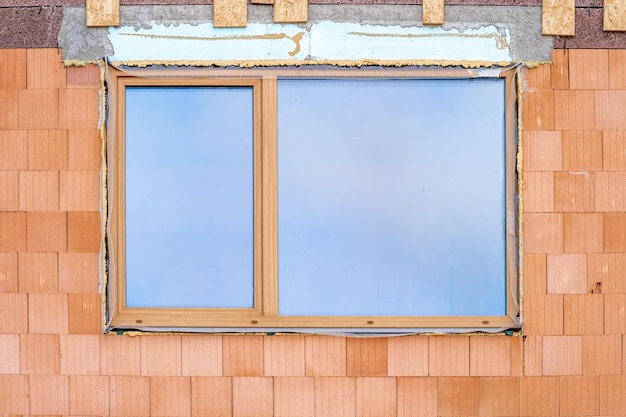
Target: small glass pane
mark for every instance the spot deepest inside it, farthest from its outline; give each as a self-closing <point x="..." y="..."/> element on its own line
<point x="391" y="197"/>
<point x="189" y="197"/>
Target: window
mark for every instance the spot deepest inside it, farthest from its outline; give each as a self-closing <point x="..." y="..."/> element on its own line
<point x="290" y="199"/>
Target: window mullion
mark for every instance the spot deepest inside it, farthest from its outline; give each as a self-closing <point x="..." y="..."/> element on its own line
<point x="270" y="196"/>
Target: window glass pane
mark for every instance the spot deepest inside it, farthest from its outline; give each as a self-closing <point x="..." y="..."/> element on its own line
<point x="189" y="197"/>
<point x="391" y="197"/>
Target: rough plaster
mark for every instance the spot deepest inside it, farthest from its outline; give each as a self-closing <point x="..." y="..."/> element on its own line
<point x="80" y="43"/>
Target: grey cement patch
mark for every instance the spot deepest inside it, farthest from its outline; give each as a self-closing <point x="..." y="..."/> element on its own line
<point x="527" y="43"/>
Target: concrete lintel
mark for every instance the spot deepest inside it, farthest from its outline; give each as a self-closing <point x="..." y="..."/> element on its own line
<point x="520" y="25"/>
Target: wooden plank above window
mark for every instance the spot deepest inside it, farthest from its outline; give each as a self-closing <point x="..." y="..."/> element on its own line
<point x="230" y="13"/>
<point x="103" y="12"/>
<point x="615" y="15"/>
<point x="432" y="12"/>
<point x="558" y="17"/>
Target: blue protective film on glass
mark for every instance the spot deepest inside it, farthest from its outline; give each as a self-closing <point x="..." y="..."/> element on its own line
<point x="189" y="197"/>
<point x="391" y="197"/>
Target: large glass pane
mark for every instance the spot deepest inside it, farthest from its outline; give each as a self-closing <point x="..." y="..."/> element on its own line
<point x="189" y="197"/>
<point x="391" y="197"/>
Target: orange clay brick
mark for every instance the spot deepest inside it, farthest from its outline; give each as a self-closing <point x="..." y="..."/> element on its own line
<point x="9" y="109"/>
<point x="79" y="191"/>
<point x="44" y="68"/>
<point x="40" y="354"/>
<point x="538" y="78"/>
<point x="80" y="354"/>
<point x="562" y="355"/>
<point x="535" y="273"/>
<point x="543" y="233"/>
<point x="10" y="354"/>
<point x="13" y="149"/>
<point x="567" y="273"/>
<point x="87" y="76"/>
<point x="533" y="355"/>
<point x="543" y="151"/>
<point x="613" y="150"/>
<point x="129" y="396"/>
<point x="293" y="396"/>
<point x="457" y="396"/>
<point x="574" y="110"/>
<point x="13" y="313"/>
<point x="610" y="190"/>
<point x="574" y="191"/>
<point x="538" y="192"/>
<point x="602" y="355"/>
<point x="589" y="69"/>
<point x="39" y="190"/>
<point x="376" y="396"/>
<point x="614" y="313"/>
<point x="517" y="357"/>
<point x="47" y="150"/>
<point x="582" y="151"/>
<point x="211" y="396"/>
<point x="543" y="314"/>
<point x="614" y="232"/>
<point x="579" y="396"/>
<point x="38" y="109"/>
<point x="85" y="314"/>
<point x="606" y="273"/>
<point x="78" y="108"/>
<point x="83" y="232"/>
<point x="583" y="232"/>
<point x="559" y="75"/>
<point x="78" y="272"/>
<point x="89" y="395"/>
<point x="253" y="396"/>
<point x="46" y="232"/>
<point x="170" y="396"/>
<point x="9" y="191"/>
<point x="498" y="396"/>
<point x="539" y="110"/>
<point x="47" y="313"/>
<point x="417" y="396"/>
<point x="583" y="314"/>
<point x="335" y="396"/>
<point x="38" y="272"/>
<point x="49" y="394"/>
<point x="617" y="69"/>
<point x="610" y="109"/>
<point x="366" y="356"/>
<point x="120" y="355"/>
<point x="8" y="272"/>
<point x="490" y="356"/>
<point x="13" y="68"/>
<point x="284" y="355"/>
<point x="84" y="149"/>
<point x="243" y="356"/>
<point x="450" y="355"/>
<point x="407" y="356"/>
<point x="201" y="355"/>
<point x="14" y="394"/>
<point x="161" y="355"/>
<point x="325" y="355"/>
<point x="612" y="395"/>
<point x="539" y="396"/>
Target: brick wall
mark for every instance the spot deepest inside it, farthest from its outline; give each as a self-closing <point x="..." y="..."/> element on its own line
<point x="54" y="360"/>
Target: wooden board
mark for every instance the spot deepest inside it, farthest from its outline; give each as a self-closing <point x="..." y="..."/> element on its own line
<point x="230" y="13"/>
<point x="615" y="15"/>
<point x="103" y="12"/>
<point x="432" y="12"/>
<point x="290" y="11"/>
<point x="558" y="17"/>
